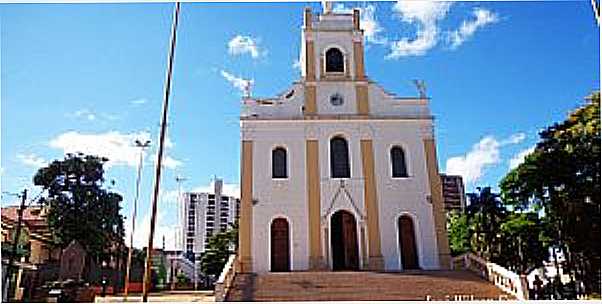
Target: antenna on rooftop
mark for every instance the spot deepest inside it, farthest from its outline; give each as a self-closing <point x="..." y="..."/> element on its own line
<point x="179" y="202"/>
<point x="421" y="87"/>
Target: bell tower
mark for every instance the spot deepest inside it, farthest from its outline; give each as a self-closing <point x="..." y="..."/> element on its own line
<point x="338" y="32"/>
<point x="332" y="51"/>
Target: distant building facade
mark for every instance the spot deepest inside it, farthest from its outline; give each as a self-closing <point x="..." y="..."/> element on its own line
<point x="203" y="215"/>
<point x="454" y="195"/>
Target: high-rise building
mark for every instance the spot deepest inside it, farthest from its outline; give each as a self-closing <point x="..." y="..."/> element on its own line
<point x="454" y="196"/>
<point x="205" y="214"/>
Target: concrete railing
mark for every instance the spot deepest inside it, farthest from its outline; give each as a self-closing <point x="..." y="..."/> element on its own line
<point x="226" y="279"/>
<point x="501" y="277"/>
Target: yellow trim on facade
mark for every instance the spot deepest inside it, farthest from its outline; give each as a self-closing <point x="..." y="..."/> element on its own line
<point x="361" y="93"/>
<point x="356" y="19"/>
<point x="358" y="57"/>
<point x="311" y="106"/>
<point x="375" y="258"/>
<point x="437" y="203"/>
<point x="246" y="210"/>
<point x="316" y="260"/>
<point x="310" y="61"/>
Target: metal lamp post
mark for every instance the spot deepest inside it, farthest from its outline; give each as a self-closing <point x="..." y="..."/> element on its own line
<point x="142" y="146"/>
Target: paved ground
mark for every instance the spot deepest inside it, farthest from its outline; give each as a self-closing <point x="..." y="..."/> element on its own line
<point x="168" y="296"/>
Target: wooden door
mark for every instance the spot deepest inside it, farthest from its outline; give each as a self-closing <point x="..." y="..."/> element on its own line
<point x="280" y="246"/>
<point x="407" y="243"/>
<point x="350" y="242"/>
<point x="344" y="241"/>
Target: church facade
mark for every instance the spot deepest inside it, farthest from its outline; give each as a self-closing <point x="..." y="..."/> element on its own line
<point x="337" y="173"/>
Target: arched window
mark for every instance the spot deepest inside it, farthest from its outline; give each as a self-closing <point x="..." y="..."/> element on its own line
<point x="334" y="60"/>
<point x="398" y="162"/>
<point x="279" y="163"/>
<point x="339" y="158"/>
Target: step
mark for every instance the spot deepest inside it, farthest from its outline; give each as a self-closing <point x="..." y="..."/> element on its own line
<point x="320" y="286"/>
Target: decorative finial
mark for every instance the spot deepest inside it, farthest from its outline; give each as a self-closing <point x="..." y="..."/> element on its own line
<point x="247" y="88"/>
<point x="421" y="87"/>
<point x="327" y="7"/>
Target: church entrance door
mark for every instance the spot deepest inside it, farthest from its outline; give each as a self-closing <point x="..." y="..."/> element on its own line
<point x="280" y="246"/>
<point x="407" y="243"/>
<point x="344" y="241"/>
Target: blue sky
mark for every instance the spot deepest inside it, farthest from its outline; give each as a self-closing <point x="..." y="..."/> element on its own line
<point x="90" y="77"/>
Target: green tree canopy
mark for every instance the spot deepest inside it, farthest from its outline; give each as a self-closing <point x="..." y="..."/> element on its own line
<point x="79" y="207"/>
<point x="459" y="235"/>
<point x="219" y="247"/>
<point x="562" y="178"/>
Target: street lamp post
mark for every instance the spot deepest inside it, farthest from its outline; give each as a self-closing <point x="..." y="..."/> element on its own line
<point x="142" y="146"/>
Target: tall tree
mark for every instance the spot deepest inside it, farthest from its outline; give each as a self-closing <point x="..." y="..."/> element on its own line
<point x="562" y="178"/>
<point x="79" y="207"/>
<point x="485" y="213"/>
<point x="459" y="233"/>
<point x="219" y="247"/>
<point x="523" y="246"/>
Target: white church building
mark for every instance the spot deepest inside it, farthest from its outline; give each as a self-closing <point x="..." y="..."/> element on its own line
<point x="337" y="173"/>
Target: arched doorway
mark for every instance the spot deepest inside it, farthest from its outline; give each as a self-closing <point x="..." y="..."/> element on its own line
<point x="280" y="246"/>
<point x="343" y="241"/>
<point x="407" y="243"/>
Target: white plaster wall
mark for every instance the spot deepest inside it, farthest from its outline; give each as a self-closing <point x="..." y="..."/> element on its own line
<point x="409" y="195"/>
<point x="327" y="89"/>
<point x="385" y="104"/>
<point x="396" y="196"/>
<point x="279" y="197"/>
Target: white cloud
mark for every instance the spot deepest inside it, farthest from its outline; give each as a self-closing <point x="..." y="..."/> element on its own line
<point x="425" y="15"/>
<point x="297" y="64"/>
<point x="425" y="40"/>
<point x="91" y="116"/>
<point x="519" y="157"/>
<point x="482" y="16"/>
<point x="118" y="147"/>
<point x="482" y="155"/>
<point x="238" y="82"/>
<point x="425" y="12"/>
<point x="470" y="166"/>
<point x="227" y="189"/>
<point x="84" y="113"/>
<point x="171" y="163"/>
<point x="368" y="22"/>
<point x="240" y="45"/>
<point x="139" y="101"/>
<point x="515" y="139"/>
<point x="371" y="26"/>
<point x="32" y="160"/>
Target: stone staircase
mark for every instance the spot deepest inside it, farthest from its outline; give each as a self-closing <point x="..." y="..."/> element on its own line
<point x="357" y="286"/>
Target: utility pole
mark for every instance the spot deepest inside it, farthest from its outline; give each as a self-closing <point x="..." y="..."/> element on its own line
<point x="11" y="258"/>
<point x="159" y="161"/>
<point x="142" y="146"/>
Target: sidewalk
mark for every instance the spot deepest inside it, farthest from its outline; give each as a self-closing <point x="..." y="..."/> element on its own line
<point x="166" y="296"/>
